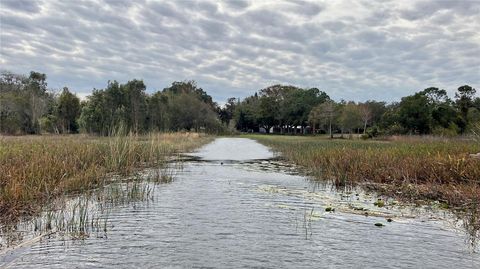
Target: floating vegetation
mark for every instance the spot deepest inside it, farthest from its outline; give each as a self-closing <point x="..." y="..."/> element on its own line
<point x="358" y="203"/>
<point x="410" y="169"/>
<point x="379" y="203"/>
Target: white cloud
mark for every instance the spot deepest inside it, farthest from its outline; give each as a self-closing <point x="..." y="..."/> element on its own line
<point x="351" y="49"/>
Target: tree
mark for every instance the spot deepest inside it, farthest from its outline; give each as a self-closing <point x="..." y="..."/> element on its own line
<point x="36" y="89"/>
<point x="476" y="103"/>
<point x="27" y="106"/>
<point x="350" y="117"/>
<point x="12" y="103"/>
<point x="365" y="114"/>
<point x="226" y="113"/>
<point x="314" y="117"/>
<point x="377" y="109"/>
<point x="118" y="105"/>
<point x="157" y="112"/>
<point x="443" y="114"/>
<point x="96" y="116"/>
<point x="246" y="114"/>
<point x="68" y="111"/>
<point x="464" y="96"/>
<point x="190" y="87"/>
<point x="135" y="105"/>
<point x="188" y="112"/>
<point x="415" y="114"/>
<point x="190" y="107"/>
<point x="324" y="113"/>
<point x="267" y="112"/>
<point x="282" y="106"/>
<point x="435" y="95"/>
<point x="23" y="101"/>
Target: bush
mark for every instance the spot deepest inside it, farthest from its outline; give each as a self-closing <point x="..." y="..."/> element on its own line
<point x="48" y="124"/>
<point x="451" y="131"/>
<point x="395" y="129"/>
<point x="373" y="132"/>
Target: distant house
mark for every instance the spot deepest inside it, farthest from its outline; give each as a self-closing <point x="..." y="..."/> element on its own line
<point x="275" y="130"/>
<point x="291" y="130"/>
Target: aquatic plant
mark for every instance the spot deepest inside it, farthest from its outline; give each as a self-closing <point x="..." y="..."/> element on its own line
<point x="379" y="203"/>
<point x="34" y="170"/>
<point x="409" y="168"/>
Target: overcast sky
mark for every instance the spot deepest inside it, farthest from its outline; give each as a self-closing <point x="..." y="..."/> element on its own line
<point x="353" y="50"/>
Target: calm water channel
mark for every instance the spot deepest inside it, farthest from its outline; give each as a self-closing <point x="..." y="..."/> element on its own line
<point x="233" y="205"/>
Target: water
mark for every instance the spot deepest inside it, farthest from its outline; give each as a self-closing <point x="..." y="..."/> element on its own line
<point x="235" y="206"/>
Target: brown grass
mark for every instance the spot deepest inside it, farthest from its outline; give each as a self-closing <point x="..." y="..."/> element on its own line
<point x="410" y="168"/>
<point x="36" y="169"/>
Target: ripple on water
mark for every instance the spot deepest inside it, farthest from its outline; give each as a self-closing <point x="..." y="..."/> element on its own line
<point x="248" y="213"/>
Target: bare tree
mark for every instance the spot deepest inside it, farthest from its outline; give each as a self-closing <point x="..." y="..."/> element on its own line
<point x="324" y="112"/>
<point x="329" y="112"/>
<point x="314" y="117"/>
<point x="366" y="114"/>
<point x="350" y="117"/>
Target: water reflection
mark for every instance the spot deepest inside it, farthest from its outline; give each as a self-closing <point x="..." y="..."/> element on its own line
<point x="230" y="209"/>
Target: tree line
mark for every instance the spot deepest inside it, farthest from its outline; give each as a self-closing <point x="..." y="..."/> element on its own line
<point x="28" y="106"/>
<point x="288" y="109"/>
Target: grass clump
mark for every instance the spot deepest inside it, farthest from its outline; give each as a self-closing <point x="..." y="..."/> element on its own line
<point x="36" y="169"/>
<point x="409" y="168"/>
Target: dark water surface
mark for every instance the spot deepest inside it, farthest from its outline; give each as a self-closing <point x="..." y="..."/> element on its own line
<point x="237" y="207"/>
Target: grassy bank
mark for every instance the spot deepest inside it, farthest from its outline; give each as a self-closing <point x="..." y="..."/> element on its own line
<point x="407" y="168"/>
<point x="36" y="169"/>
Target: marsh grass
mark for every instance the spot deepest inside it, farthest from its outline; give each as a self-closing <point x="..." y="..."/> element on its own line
<point x="35" y="170"/>
<point x="78" y="216"/>
<point x="412" y="169"/>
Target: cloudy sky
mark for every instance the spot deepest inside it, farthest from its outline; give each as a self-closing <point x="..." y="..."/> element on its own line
<point x="354" y="50"/>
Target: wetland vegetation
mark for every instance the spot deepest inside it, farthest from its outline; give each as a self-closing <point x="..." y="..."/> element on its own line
<point x="414" y="169"/>
<point x="408" y="167"/>
<point x="55" y="144"/>
<point x="239" y="134"/>
<point x="34" y="170"/>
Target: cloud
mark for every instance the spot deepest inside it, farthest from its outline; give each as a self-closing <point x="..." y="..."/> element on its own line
<point x="24" y="6"/>
<point x="428" y="8"/>
<point x="352" y="50"/>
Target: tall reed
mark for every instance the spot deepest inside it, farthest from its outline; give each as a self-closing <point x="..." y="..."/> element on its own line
<point x="36" y="169"/>
<point x="412" y="168"/>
